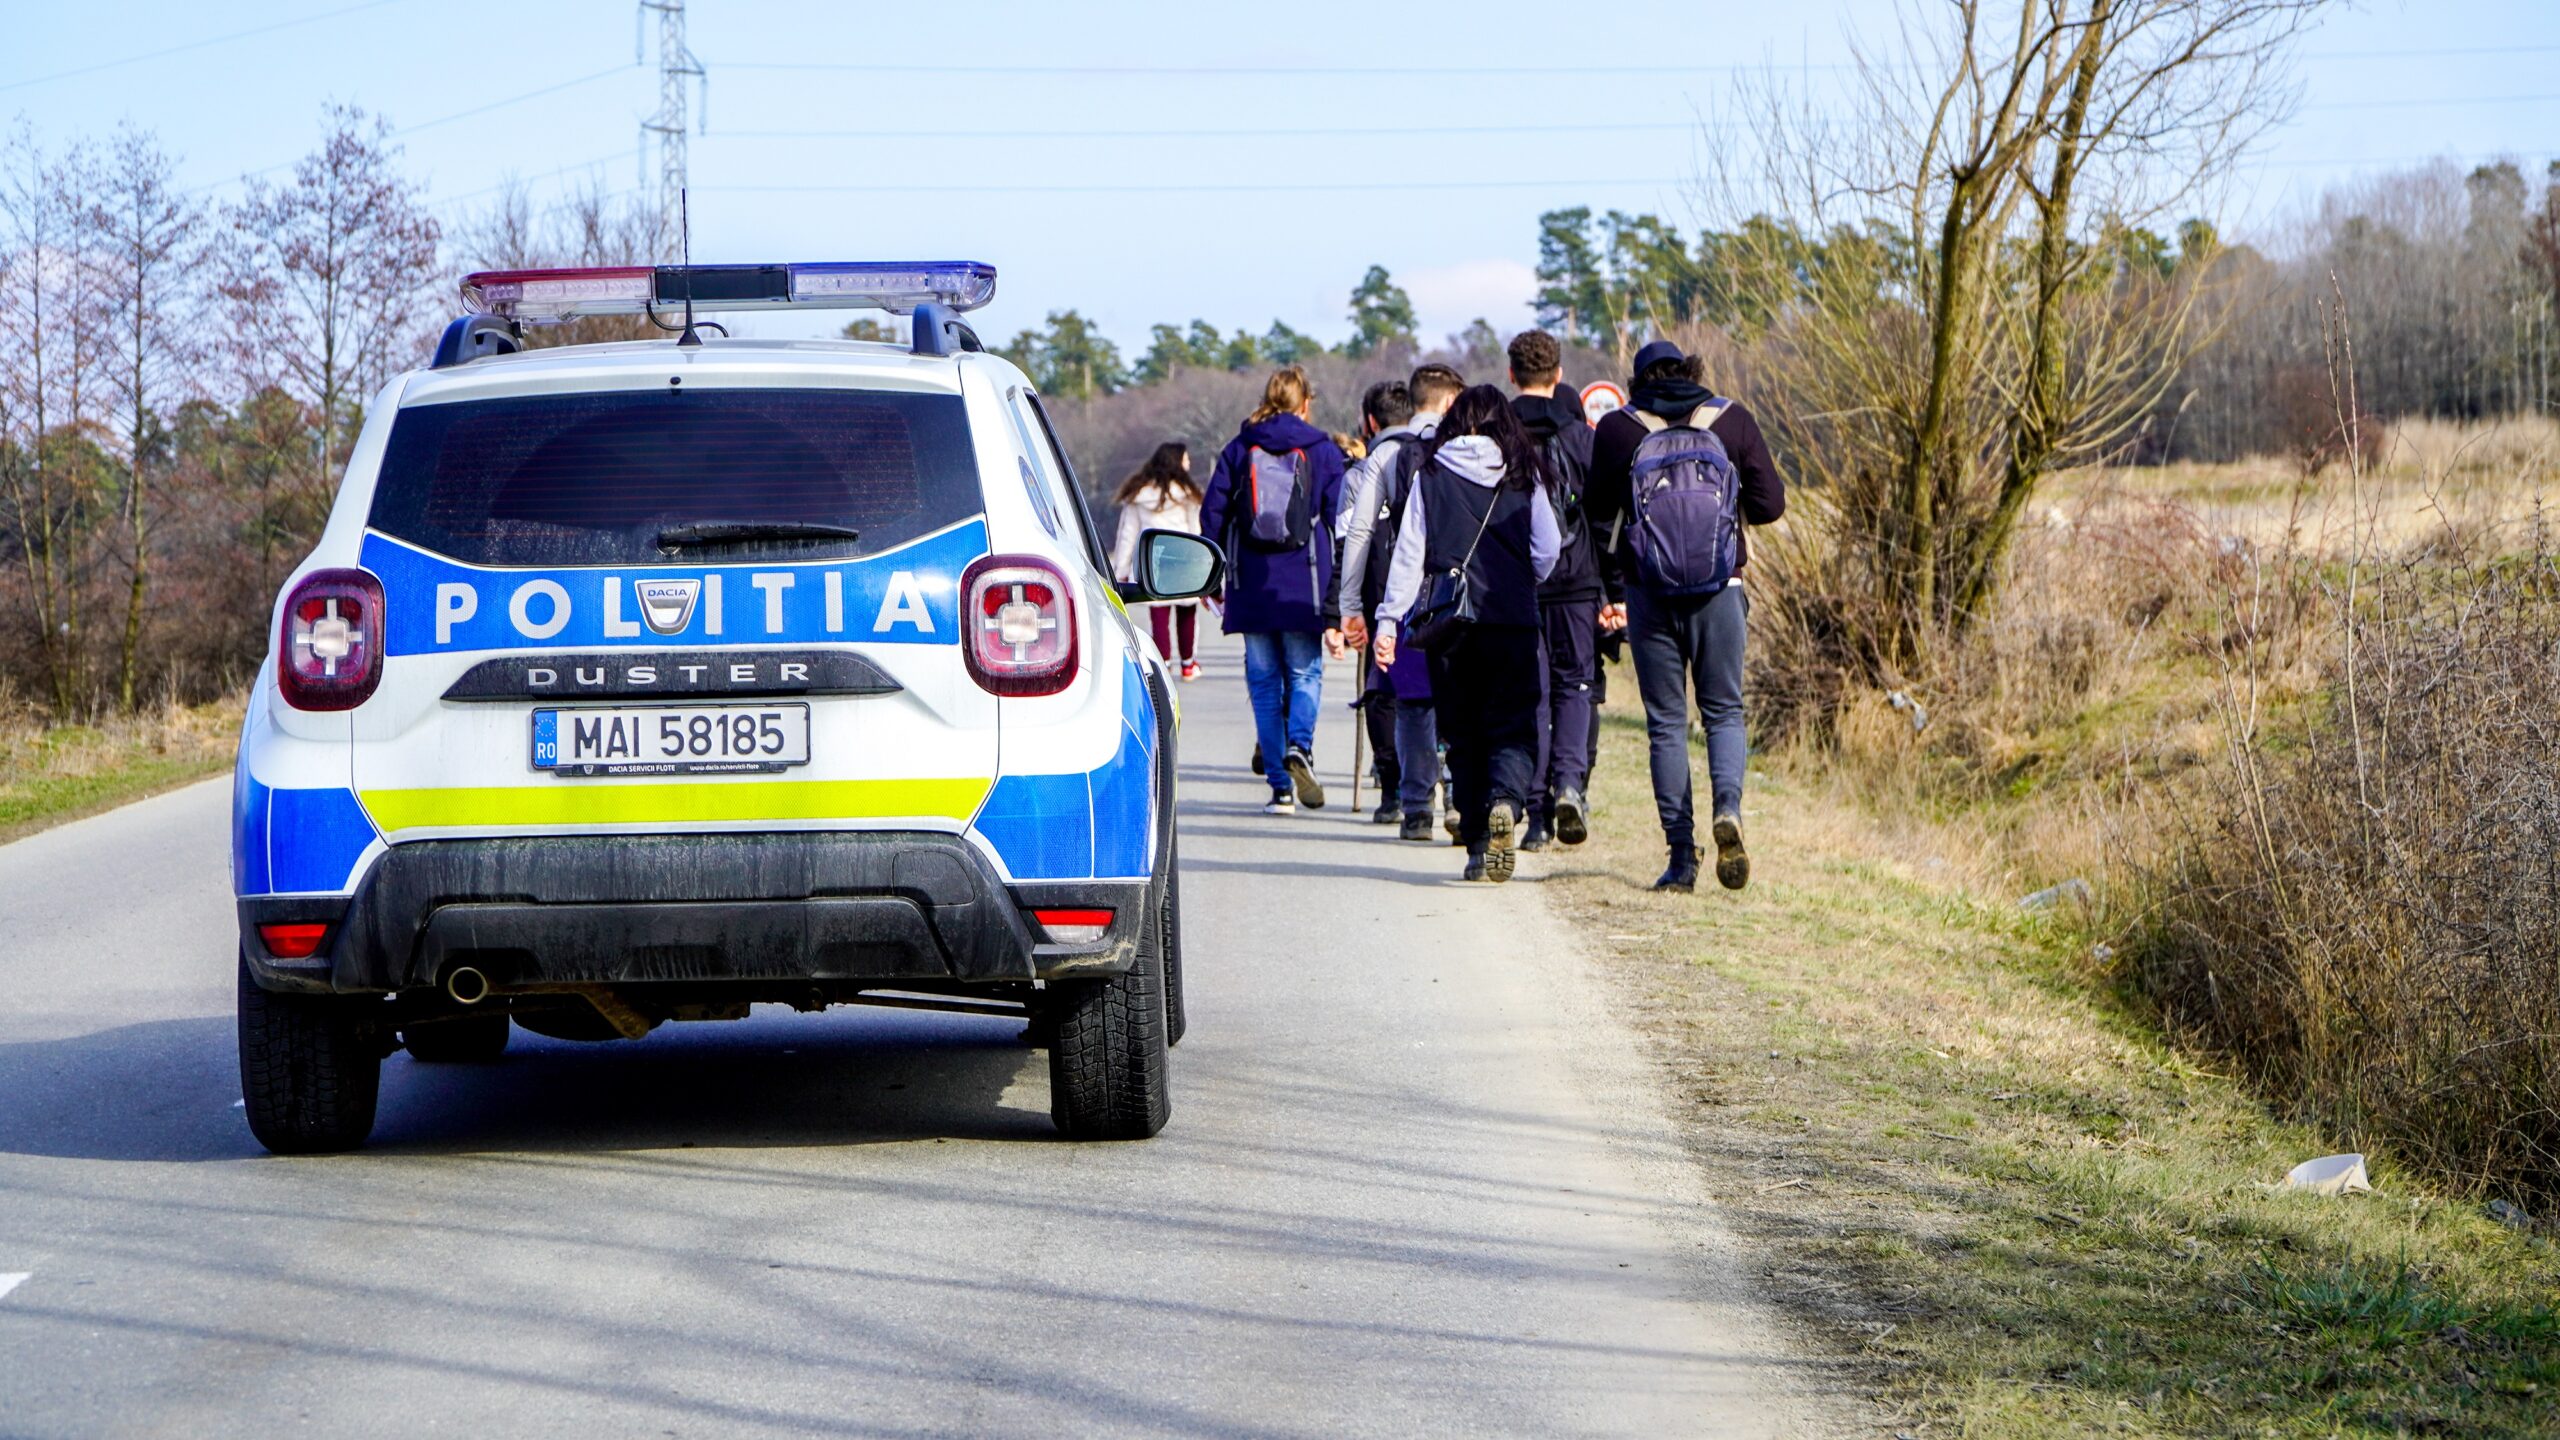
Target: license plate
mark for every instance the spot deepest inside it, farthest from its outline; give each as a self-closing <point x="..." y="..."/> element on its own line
<point x="670" y="739"/>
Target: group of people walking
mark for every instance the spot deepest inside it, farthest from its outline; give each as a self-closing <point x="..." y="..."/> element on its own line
<point x="1480" y="553"/>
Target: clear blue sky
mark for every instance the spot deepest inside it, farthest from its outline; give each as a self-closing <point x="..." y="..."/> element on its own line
<point x="1060" y="215"/>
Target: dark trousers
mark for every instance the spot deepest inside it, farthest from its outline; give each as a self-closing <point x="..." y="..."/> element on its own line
<point x="1572" y="650"/>
<point x="1680" y="643"/>
<point x="1486" y="686"/>
<point x="1378" y="712"/>
<point x="1171" y="619"/>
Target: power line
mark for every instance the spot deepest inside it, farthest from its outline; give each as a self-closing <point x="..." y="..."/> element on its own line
<point x="1392" y="130"/>
<point x="1260" y="133"/>
<point x="1162" y="72"/>
<point x="196" y="45"/>
<point x="430" y="124"/>
<point x="1209" y="189"/>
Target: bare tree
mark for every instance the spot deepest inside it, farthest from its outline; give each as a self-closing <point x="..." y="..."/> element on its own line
<point x="325" y="279"/>
<point x="1955" y="318"/>
<point x="48" y="301"/>
<point x="588" y="228"/>
<point x="152" y="249"/>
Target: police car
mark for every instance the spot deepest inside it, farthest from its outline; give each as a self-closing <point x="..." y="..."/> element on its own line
<point x="644" y="682"/>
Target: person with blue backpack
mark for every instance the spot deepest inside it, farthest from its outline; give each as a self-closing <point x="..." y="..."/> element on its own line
<point x="1675" y="477"/>
<point x="1271" y="502"/>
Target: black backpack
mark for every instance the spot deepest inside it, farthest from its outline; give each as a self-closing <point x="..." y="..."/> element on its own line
<point x="1569" y="477"/>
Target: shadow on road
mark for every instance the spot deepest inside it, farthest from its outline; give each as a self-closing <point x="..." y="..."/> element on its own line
<point x="164" y="1090"/>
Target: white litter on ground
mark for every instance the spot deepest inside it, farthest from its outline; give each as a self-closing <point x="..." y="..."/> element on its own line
<point x="12" y="1282"/>
<point x="2329" y="1175"/>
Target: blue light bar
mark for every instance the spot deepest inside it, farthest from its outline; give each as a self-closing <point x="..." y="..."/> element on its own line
<point x="894" y="287"/>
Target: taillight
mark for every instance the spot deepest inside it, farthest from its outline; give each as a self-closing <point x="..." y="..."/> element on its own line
<point x="1021" y="620"/>
<point x="329" y="648"/>
<point x="292" y="940"/>
<point x="1074" y="927"/>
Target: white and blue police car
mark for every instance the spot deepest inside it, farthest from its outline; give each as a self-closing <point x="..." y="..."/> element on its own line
<point x="648" y="681"/>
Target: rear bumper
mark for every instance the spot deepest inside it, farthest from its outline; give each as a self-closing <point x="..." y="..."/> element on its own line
<point x="745" y="913"/>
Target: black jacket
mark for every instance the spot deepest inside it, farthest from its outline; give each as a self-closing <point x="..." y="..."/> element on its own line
<point x="1564" y="440"/>
<point x="1501" y="577"/>
<point x="1613" y="453"/>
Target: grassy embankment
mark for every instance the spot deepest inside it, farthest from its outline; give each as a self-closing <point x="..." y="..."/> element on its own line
<point x="50" y="774"/>
<point x="1966" y="1155"/>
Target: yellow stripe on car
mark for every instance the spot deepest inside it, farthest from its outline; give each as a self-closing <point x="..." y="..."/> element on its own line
<point x="579" y="803"/>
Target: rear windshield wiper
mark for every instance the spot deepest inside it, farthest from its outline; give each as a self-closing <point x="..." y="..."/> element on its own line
<point x="731" y="532"/>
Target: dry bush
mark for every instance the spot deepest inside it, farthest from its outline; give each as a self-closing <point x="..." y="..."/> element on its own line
<point x="2364" y="913"/>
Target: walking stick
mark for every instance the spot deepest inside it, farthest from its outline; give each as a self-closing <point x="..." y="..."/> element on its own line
<point x="1359" y="747"/>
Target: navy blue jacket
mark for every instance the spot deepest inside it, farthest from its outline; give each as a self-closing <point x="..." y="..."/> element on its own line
<point x="1275" y="591"/>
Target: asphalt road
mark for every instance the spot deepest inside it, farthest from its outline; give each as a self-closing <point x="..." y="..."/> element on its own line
<point x="1416" y="1183"/>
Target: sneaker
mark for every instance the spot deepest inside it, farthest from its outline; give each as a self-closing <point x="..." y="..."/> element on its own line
<point x="1190" y="669"/>
<point x="1498" y="856"/>
<point x="1449" y="822"/>
<point x="1733" y="867"/>
<point x="1302" y="773"/>
<point x="1682" y="875"/>
<point x="1573" y="817"/>
<point x="1282" y="803"/>
<point x="1387" y="813"/>
<point x="1417" y="826"/>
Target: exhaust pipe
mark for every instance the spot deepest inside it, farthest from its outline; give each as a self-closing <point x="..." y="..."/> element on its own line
<point x="466" y="985"/>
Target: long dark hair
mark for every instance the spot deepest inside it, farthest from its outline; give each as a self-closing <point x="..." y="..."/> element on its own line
<point x="1485" y="410"/>
<point x="1164" y="471"/>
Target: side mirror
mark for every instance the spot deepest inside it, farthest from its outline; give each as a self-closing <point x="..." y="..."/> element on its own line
<point x="1175" y="565"/>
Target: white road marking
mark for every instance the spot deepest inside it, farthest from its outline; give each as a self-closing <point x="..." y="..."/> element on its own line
<point x="12" y="1282"/>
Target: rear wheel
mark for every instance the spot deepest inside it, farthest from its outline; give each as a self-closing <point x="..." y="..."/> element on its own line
<point x="310" y="1068"/>
<point x="458" y="1040"/>
<point x="1107" y="1063"/>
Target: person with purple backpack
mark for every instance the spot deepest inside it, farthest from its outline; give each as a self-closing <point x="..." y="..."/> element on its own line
<point x="1271" y="503"/>
<point x="1675" y="476"/>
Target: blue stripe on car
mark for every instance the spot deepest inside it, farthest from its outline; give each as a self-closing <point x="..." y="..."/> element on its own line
<point x="1094" y="824"/>
<point x="295" y="841"/>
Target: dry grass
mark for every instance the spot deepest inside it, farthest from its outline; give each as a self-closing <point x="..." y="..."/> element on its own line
<point x="53" y="773"/>
<point x="1969" y="1168"/>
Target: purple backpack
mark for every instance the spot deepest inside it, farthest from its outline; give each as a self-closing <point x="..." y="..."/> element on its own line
<point x="1685" y="520"/>
<point x="1276" y="515"/>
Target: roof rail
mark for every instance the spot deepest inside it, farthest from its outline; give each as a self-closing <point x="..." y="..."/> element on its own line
<point x="940" y="331"/>
<point x="474" y="336"/>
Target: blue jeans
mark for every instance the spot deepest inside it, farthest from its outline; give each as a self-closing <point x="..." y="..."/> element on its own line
<point x="1284" y="672"/>
<point x="1681" y="645"/>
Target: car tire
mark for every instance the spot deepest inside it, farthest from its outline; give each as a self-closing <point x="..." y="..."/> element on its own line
<point x="1169" y="925"/>
<point x="460" y="1040"/>
<point x="310" y="1068"/>
<point x="1107" y="1064"/>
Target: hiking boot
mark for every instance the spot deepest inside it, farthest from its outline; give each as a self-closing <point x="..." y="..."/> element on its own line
<point x="1573" y="818"/>
<point x="1498" y="855"/>
<point x="1389" y="811"/>
<point x="1449" y="822"/>
<point x="1733" y="867"/>
<point x="1538" y="835"/>
<point x="1282" y="803"/>
<point x="1417" y="826"/>
<point x="1475" y="868"/>
<point x="1302" y="773"/>
<point x="1682" y="874"/>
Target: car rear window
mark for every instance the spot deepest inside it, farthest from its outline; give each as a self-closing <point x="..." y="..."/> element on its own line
<point x="594" y="479"/>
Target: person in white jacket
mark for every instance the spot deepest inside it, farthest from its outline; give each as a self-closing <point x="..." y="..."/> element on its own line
<point x="1480" y="518"/>
<point x="1162" y="496"/>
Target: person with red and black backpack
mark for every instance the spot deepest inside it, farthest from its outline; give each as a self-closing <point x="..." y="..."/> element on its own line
<point x="1675" y="477"/>
<point x="1271" y="502"/>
